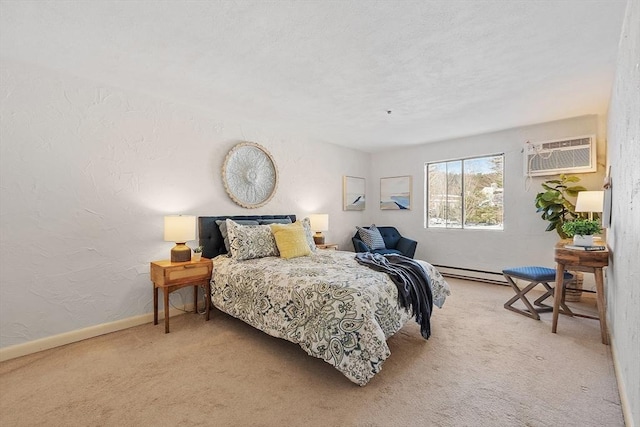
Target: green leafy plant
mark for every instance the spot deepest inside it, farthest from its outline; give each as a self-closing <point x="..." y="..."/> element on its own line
<point x="198" y="249"/>
<point x="554" y="205"/>
<point x="581" y="227"/>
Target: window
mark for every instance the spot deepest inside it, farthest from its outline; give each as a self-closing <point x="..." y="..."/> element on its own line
<point x="465" y="193"/>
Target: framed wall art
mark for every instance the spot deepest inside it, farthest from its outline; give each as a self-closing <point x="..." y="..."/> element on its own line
<point x="395" y="193"/>
<point x="250" y="175"/>
<point x="353" y="191"/>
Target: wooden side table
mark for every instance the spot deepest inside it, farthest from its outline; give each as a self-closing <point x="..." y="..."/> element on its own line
<point x="170" y="276"/>
<point x="333" y="246"/>
<point x="586" y="261"/>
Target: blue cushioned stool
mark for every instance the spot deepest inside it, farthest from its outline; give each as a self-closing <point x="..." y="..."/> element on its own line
<point x="535" y="276"/>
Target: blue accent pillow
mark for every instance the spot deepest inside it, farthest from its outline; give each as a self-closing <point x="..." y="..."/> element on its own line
<point x="275" y="221"/>
<point x="371" y="237"/>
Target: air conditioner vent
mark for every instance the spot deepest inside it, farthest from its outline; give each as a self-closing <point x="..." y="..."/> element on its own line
<point x="570" y="155"/>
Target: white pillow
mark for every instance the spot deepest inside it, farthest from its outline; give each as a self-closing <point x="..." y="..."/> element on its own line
<point x="253" y="241"/>
<point x="222" y="226"/>
<point x="306" y="223"/>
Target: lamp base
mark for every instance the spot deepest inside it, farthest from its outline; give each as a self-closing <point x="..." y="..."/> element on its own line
<point x="180" y="253"/>
<point x="318" y="238"/>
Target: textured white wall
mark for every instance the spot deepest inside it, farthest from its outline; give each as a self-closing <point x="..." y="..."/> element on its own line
<point x="623" y="274"/>
<point x="87" y="173"/>
<point x="523" y="240"/>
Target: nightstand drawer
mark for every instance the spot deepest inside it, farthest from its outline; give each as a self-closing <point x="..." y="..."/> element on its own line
<point x="167" y="273"/>
<point x="190" y="271"/>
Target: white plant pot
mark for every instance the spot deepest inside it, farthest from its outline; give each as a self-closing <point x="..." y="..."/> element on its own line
<point x="579" y="240"/>
<point x="196" y="256"/>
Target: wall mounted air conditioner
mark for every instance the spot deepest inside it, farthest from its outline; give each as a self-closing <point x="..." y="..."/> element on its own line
<point x="567" y="155"/>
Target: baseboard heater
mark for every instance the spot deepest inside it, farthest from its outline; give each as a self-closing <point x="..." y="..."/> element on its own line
<point x="472" y="274"/>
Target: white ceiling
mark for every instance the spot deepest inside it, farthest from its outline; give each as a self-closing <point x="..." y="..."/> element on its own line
<point x="329" y="70"/>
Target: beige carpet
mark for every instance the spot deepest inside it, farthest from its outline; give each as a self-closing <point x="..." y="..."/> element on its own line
<point x="483" y="365"/>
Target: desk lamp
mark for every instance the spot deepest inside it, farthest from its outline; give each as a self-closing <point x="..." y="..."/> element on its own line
<point x="590" y="201"/>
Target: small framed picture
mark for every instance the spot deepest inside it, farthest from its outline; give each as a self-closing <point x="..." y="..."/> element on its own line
<point x="353" y="190"/>
<point x="395" y="193"/>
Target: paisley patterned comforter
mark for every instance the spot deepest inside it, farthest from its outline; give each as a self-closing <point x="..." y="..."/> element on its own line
<point x="333" y="307"/>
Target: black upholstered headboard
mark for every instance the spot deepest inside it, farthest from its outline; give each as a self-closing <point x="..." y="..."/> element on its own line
<point x="209" y="234"/>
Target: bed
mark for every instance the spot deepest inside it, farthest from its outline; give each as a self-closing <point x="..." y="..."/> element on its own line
<point x="331" y="306"/>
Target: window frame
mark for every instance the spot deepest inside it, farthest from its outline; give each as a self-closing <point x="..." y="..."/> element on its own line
<point x="463" y="198"/>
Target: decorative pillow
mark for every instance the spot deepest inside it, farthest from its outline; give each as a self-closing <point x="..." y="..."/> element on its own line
<point x="291" y="240"/>
<point x="250" y="241"/>
<point x="371" y="237"/>
<point x="222" y="225"/>
<point x="275" y="221"/>
<point x="306" y="223"/>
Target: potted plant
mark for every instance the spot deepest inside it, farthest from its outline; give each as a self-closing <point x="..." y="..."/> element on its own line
<point x="582" y="230"/>
<point x="197" y="253"/>
<point x="555" y="206"/>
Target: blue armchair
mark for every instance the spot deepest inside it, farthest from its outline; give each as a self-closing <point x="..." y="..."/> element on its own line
<point x="393" y="241"/>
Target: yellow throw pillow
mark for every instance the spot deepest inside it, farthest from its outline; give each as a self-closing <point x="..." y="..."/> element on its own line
<point x="291" y="240"/>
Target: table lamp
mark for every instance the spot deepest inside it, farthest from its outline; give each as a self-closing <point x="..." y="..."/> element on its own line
<point x="319" y="223"/>
<point x="180" y="229"/>
<point x="590" y="201"/>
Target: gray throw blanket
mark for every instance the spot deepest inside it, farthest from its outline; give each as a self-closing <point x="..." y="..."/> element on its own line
<point x="414" y="288"/>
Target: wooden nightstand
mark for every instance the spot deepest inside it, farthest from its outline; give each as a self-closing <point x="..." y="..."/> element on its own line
<point x="171" y="276"/>
<point x="333" y="246"/>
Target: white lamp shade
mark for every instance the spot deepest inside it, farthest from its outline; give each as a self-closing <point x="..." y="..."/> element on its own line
<point x="319" y="222"/>
<point x="590" y="201"/>
<point x="179" y="228"/>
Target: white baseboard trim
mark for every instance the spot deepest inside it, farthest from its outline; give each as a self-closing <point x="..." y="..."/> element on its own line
<point x="622" y="389"/>
<point x="46" y="343"/>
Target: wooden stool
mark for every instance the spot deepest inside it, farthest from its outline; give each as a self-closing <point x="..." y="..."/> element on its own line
<point x="535" y="276"/>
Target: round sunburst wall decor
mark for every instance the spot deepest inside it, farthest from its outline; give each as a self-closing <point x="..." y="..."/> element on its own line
<point x="250" y="175"/>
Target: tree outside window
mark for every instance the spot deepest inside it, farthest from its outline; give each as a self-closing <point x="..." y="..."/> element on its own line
<point x="465" y="193"/>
